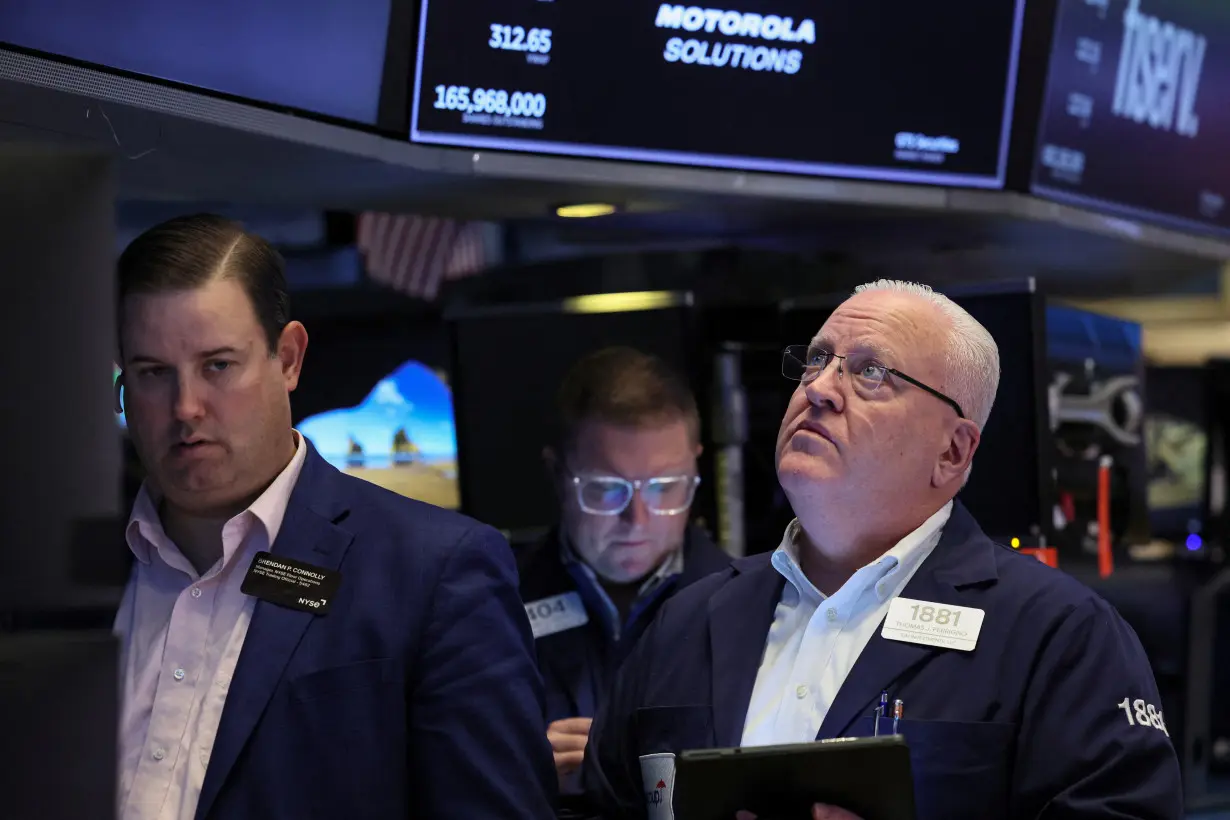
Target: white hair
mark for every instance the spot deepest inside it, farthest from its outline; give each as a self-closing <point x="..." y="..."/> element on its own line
<point x="972" y="366"/>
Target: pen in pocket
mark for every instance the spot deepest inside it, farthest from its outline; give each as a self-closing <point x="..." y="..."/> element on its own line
<point x="881" y="712"/>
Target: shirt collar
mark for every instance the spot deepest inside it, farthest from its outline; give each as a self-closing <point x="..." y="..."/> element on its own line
<point x="596" y="597"/>
<point x="145" y="532"/>
<point x="669" y="568"/>
<point x="886" y="576"/>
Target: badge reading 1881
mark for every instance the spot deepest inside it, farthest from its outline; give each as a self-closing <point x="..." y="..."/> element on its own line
<point x="944" y="625"/>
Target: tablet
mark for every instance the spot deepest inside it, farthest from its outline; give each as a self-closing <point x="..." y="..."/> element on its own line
<point x="869" y="776"/>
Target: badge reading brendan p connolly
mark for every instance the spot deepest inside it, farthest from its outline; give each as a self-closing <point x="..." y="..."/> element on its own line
<point x="290" y="583"/>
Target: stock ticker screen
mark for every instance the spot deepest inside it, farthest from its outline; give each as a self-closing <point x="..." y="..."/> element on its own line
<point x="875" y="89"/>
<point x="317" y="55"/>
<point x="1137" y="110"/>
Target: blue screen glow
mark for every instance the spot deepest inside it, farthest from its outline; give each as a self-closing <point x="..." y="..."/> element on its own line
<point x="401" y="437"/>
<point x="317" y="55"/>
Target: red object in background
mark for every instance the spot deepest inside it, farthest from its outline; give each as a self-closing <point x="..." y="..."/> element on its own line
<point x="1067" y="505"/>
<point x="1047" y="555"/>
<point x="1106" y="561"/>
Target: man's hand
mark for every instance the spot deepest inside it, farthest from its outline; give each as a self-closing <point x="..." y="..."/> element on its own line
<point x="568" y="738"/>
<point x="818" y="812"/>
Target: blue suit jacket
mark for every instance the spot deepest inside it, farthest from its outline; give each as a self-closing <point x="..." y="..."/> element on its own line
<point x="416" y="695"/>
<point x="1027" y="725"/>
<point x="577" y="664"/>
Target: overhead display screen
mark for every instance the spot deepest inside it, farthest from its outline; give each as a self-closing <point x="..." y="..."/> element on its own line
<point x="317" y="55"/>
<point x="1137" y="111"/>
<point x="867" y="89"/>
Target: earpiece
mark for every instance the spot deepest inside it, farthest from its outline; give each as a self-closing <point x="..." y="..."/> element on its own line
<point x="119" y="393"/>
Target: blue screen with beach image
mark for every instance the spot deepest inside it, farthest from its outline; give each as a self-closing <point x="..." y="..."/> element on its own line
<point x="401" y="437"/>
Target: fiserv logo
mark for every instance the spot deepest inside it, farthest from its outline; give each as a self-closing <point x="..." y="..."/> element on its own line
<point x="1159" y="73"/>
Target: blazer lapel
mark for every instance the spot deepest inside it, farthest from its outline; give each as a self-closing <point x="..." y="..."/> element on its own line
<point x="964" y="557"/>
<point x="740" y="615"/>
<point x="309" y="533"/>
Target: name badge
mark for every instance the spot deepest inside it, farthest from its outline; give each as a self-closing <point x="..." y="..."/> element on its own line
<point x="556" y="614"/>
<point x="658" y="779"/>
<point x="290" y="583"/>
<point x="931" y="624"/>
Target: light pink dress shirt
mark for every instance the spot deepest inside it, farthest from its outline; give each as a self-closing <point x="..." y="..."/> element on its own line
<point x="180" y="637"/>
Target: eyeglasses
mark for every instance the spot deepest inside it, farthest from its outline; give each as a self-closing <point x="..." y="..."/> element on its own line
<point x="801" y="363"/>
<point x="611" y="495"/>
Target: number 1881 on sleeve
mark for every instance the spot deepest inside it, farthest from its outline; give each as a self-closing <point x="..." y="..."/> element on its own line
<point x="1140" y="713"/>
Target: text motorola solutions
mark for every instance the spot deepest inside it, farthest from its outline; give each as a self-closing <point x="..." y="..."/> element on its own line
<point x="639" y="82"/>
<point x="694" y="51"/>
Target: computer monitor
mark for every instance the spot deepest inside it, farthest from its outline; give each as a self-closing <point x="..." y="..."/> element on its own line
<point x="1217" y="512"/>
<point x="1133" y="121"/>
<point x="401" y="436"/>
<point x="1177" y="450"/>
<point x="347" y="61"/>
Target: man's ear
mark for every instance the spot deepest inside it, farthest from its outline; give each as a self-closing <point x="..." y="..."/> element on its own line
<point x="119" y="393"/>
<point x="954" y="462"/>
<point x="292" y="347"/>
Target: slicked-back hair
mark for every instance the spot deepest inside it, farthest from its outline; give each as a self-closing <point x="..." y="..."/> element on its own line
<point x="189" y="252"/>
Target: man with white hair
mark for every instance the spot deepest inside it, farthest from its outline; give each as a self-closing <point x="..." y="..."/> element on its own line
<point x="1023" y="694"/>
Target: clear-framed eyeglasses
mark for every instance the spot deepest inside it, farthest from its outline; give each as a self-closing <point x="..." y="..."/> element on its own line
<point x="611" y="495"/>
<point x="803" y="363"/>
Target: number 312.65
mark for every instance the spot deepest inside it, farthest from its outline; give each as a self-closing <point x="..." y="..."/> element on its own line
<point x="1144" y="714"/>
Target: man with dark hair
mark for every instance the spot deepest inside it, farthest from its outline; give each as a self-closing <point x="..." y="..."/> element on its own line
<point x="624" y="463"/>
<point x="295" y="642"/>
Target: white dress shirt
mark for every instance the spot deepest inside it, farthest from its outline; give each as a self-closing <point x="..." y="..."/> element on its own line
<point x="815" y="640"/>
<point x="180" y="638"/>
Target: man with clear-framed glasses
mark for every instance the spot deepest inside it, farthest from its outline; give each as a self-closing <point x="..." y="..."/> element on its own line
<point x="624" y="465"/>
<point x="885" y="609"/>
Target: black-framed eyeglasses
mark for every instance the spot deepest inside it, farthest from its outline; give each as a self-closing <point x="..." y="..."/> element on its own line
<point x="802" y="363"/>
<point x="611" y="495"/>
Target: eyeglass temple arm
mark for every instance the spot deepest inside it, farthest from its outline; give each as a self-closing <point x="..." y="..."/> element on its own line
<point x="949" y="401"/>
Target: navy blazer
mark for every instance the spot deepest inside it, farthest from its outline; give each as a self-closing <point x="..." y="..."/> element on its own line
<point x="1030" y="724"/>
<point x="578" y="664"/>
<point x="416" y="695"/>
